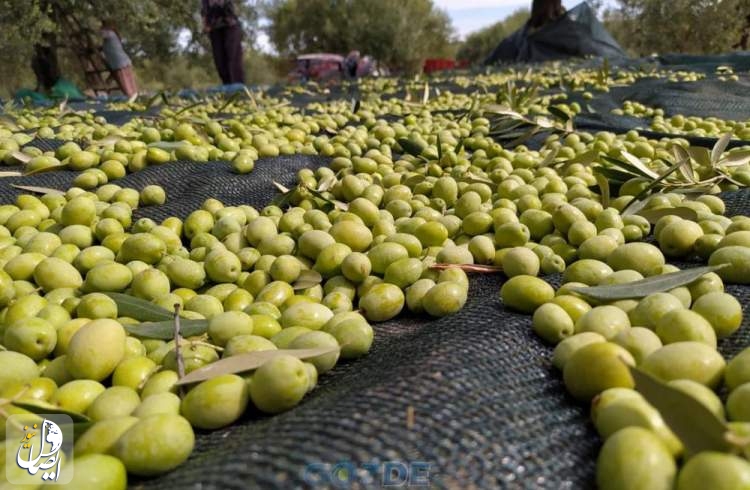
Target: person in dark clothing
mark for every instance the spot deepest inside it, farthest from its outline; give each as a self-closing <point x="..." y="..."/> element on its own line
<point x="221" y="23"/>
<point x="545" y="12"/>
<point x="45" y="65"/>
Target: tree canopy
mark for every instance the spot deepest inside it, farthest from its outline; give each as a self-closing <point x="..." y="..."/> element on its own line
<point x="685" y="26"/>
<point x="400" y="34"/>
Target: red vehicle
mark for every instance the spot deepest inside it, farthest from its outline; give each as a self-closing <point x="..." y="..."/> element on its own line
<point x="319" y="67"/>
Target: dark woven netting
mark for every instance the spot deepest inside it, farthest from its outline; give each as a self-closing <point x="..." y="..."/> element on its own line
<point x="489" y="410"/>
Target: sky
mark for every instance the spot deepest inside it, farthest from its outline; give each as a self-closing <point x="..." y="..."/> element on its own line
<point x="466" y="15"/>
<point x="471" y="15"/>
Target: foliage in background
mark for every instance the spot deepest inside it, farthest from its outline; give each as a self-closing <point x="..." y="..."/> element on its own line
<point x="479" y="44"/>
<point x="644" y="27"/>
<point x="163" y="37"/>
<point x="399" y="34"/>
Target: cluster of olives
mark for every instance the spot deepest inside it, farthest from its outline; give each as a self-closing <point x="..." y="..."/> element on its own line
<point x="354" y="243"/>
<point x="711" y="127"/>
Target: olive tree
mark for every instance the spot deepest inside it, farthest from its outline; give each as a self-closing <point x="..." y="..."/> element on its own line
<point x="399" y="34"/>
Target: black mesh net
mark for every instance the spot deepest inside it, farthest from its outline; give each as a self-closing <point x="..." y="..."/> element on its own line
<point x="473" y="396"/>
<point x="489" y="410"/>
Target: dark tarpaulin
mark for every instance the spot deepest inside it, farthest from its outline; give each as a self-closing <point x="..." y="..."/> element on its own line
<point x="577" y="33"/>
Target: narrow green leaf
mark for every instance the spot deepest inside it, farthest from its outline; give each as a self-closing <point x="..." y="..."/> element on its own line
<point x="168" y="145"/>
<point x="11" y="173"/>
<point x="652" y="185"/>
<point x="482" y="269"/>
<point x="139" y="309"/>
<point x="21" y="157"/>
<point x="603" y="183"/>
<point x="51" y="168"/>
<point x="410" y="147"/>
<point x="654" y="214"/>
<point x="439" y="148"/>
<point x="585" y="158"/>
<point x="307" y="279"/>
<point x="326" y="183"/>
<point x="36" y="189"/>
<point x="549" y="159"/>
<point x="190" y="106"/>
<point x="164" y="329"/>
<point x="736" y="158"/>
<point x="558" y="113"/>
<point x="701" y="155"/>
<point x="251" y="97"/>
<point x="249" y="361"/>
<point x="40" y="407"/>
<point x="459" y="146"/>
<point x="720" y="147"/>
<point x="153" y="100"/>
<point x="283" y="189"/>
<point x="337" y="204"/>
<point x="355" y="105"/>
<point x="694" y="425"/>
<point x="231" y="100"/>
<point x="614" y="175"/>
<point x="649" y="285"/>
<point x="636" y="163"/>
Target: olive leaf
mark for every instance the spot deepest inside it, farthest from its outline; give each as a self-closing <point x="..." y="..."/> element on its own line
<point x="459" y="146"/>
<point x="719" y="148"/>
<point x="426" y="94"/>
<point x="65" y="164"/>
<point x="558" y="113"/>
<point x="251" y="97"/>
<point x="37" y="190"/>
<point x="637" y="164"/>
<point x="168" y="145"/>
<point x="281" y="188"/>
<point x="139" y="309"/>
<point x="702" y="156"/>
<point x="326" y="183"/>
<point x="736" y="158"/>
<point x="654" y="214"/>
<point x="410" y="147"/>
<point x="190" y="106"/>
<point x="248" y="361"/>
<point x="307" y="279"/>
<point x="646" y="190"/>
<point x="614" y="175"/>
<point x="164" y="329"/>
<point x="692" y="422"/>
<point x="153" y="100"/>
<point x="40" y="407"/>
<point x="21" y="157"/>
<point x="11" y="173"/>
<point x="355" y="105"/>
<point x="549" y="159"/>
<point x="336" y="204"/>
<point x="485" y="269"/>
<point x="649" y="285"/>
<point x="439" y="148"/>
<point x="603" y="183"/>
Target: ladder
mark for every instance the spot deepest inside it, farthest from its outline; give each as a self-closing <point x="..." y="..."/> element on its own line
<point x="84" y="43"/>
